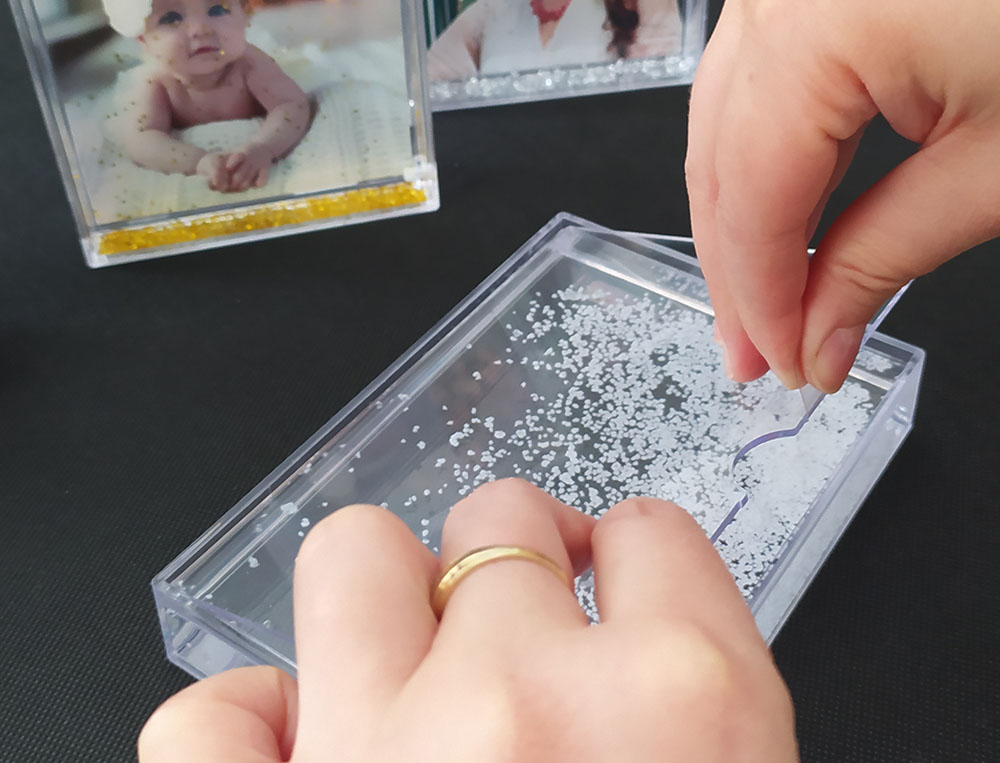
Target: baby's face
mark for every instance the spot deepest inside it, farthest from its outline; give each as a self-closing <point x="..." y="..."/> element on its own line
<point x="192" y="37"/>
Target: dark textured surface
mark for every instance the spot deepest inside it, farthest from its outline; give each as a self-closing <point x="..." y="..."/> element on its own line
<point x="138" y="403"/>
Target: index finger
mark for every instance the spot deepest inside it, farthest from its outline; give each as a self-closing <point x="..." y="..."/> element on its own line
<point x="773" y="169"/>
<point x="709" y="96"/>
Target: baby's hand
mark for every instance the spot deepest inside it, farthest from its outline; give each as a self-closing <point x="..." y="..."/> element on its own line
<point x="249" y="167"/>
<point x="213" y="166"/>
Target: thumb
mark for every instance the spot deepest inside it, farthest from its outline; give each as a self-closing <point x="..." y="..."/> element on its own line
<point x="234" y="160"/>
<point x="941" y="201"/>
<point x="247" y="714"/>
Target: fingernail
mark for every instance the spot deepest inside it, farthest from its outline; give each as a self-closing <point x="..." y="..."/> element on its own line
<point x="790" y="380"/>
<point x="835" y="357"/>
<point x="727" y="364"/>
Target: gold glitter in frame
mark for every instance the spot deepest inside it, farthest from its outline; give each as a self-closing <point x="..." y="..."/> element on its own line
<point x="275" y="215"/>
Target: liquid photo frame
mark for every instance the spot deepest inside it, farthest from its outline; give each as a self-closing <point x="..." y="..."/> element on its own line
<point x="189" y="124"/>
<point x="488" y="52"/>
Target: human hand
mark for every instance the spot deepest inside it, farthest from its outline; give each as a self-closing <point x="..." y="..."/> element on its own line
<point x="249" y="166"/>
<point x="779" y="103"/>
<point x="213" y="166"/>
<point x="513" y="671"/>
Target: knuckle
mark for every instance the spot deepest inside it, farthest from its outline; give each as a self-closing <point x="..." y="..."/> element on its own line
<point x="681" y="662"/>
<point x="702" y="182"/>
<point x="645" y="506"/>
<point x="865" y="276"/>
<point x="493" y="495"/>
<point x="495" y="713"/>
<point x="780" y="701"/>
<point x="624" y="516"/>
<point x="344" y="527"/>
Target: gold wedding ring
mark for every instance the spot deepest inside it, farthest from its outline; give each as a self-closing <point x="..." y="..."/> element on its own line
<point x="459" y="569"/>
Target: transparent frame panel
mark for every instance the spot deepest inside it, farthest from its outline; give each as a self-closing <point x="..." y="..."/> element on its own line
<point x="584" y="364"/>
<point x="366" y="152"/>
<point x="460" y="84"/>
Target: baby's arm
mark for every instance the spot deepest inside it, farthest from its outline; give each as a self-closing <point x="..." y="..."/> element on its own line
<point x="287" y="121"/>
<point x="146" y="133"/>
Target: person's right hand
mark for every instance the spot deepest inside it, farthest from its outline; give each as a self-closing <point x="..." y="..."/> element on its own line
<point x="780" y="99"/>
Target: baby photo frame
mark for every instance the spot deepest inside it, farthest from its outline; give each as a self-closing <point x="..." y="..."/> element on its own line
<point x="188" y="124"/>
<point x="488" y="52"/>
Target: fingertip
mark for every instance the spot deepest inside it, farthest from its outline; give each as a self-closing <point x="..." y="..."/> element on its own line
<point x="347" y="533"/>
<point x="644" y="509"/>
<point x="741" y="361"/>
<point x="642" y="525"/>
<point x="354" y="524"/>
<point x="832" y="362"/>
<point x="744" y="365"/>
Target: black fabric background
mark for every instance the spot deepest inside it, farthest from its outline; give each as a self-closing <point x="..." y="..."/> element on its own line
<point x="138" y="403"/>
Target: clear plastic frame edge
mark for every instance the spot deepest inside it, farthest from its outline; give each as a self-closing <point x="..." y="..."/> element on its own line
<point x="183" y="125"/>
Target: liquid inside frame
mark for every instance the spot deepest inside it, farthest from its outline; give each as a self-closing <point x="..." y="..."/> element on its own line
<point x="188" y="124"/>
<point x="584" y="364"/>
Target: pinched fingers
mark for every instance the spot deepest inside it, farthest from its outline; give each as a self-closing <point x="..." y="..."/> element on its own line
<point x="784" y="121"/>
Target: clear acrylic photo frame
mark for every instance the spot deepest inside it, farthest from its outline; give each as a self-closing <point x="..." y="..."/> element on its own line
<point x="585" y="365"/>
<point x="124" y="212"/>
<point x="524" y="83"/>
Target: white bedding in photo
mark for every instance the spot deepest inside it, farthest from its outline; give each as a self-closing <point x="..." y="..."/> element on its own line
<point x="360" y="131"/>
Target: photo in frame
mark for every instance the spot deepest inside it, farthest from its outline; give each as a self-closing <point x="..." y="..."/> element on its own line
<point x="188" y="124"/>
<point x="488" y="52"/>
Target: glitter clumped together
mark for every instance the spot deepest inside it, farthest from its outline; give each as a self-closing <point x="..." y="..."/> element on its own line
<point x="598" y="391"/>
<point x="262" y="217"/>
<point x="626" y="397"/>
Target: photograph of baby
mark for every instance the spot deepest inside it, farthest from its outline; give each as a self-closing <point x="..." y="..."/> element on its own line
<point x="176" y="106"/>
<point x="486" y="37"/>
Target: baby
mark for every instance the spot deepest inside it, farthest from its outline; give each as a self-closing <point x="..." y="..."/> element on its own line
<point x="200" y="68"/>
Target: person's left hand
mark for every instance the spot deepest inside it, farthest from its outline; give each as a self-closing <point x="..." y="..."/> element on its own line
<point x="513" y="671"/>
